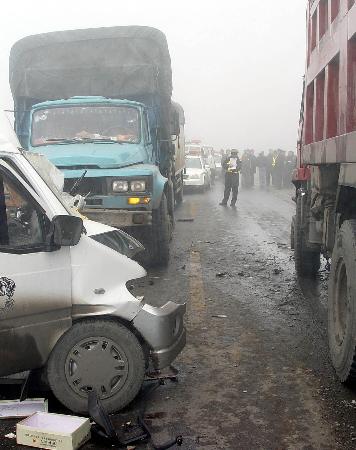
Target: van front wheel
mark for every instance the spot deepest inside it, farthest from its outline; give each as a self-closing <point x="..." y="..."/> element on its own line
<point x="96" y="354"/>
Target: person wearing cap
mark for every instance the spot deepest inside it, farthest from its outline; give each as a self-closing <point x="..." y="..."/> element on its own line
<point x="231" y="166"/>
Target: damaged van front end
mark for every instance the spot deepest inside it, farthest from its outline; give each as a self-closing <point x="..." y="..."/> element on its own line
<point x="65" y="303"/>
<point x="104" y="292"/>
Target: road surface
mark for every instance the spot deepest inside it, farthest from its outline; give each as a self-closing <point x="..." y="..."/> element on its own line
<point x="255" y="373"/>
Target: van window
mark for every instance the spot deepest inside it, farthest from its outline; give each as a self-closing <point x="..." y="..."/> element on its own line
<point x="23" y="226"/>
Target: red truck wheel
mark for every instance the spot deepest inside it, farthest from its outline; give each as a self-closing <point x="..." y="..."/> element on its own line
<point x="307" y="261"/>
<point x="342" y="303"/>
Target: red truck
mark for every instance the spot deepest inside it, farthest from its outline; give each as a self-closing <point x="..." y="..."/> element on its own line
<point x="325" y="180"/>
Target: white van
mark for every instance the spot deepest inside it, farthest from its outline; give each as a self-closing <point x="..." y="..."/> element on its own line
<point x="64" y="304"/>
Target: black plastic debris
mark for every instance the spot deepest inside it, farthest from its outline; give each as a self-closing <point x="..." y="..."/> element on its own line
<point x="222" y="274"/>
<point x="125" y="432"/>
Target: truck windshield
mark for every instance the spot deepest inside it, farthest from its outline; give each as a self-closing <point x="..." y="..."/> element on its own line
<point x="71" y="124"/>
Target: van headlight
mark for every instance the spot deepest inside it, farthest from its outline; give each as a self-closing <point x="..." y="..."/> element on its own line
<point x="120" y="186"/>
<point x="138" y="186"/>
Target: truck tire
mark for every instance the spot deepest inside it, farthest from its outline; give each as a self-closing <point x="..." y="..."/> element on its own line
<point x="100" y="354"/>
<point x="179" y="196"/>
<point x="292" y="233"/>
<point x="307" y="261"/>
<point x="342" y="303"/>
<point x="160" y="236"/>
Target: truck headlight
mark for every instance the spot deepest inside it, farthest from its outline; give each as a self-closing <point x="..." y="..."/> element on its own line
<point x="138" y="186"/>
<point x="120" y="186"/>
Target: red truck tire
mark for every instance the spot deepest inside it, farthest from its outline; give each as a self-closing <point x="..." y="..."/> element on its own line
<point x="342" y="303"/>
<point x="307" y="261"/>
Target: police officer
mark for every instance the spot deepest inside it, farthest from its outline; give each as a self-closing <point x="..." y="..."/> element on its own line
<point x="231" y="166"/>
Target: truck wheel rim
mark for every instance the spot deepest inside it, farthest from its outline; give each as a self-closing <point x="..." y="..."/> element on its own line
<point x="341" y="303"/>
<point x="96" y="363"/>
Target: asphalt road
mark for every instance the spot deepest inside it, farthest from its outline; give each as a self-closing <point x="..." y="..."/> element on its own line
<point x="255" y="373"/>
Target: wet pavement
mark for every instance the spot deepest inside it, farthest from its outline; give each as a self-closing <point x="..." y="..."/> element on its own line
<point x="255" y="373"/>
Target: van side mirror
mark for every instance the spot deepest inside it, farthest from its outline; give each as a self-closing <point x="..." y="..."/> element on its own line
<point x="67" y="230"/>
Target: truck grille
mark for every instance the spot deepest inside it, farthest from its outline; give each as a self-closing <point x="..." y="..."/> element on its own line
<point x="94" y="186"/>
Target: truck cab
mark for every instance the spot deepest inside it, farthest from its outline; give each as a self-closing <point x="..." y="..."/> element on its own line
<point x="98" y="104"/>
<point x="105" y="144"/>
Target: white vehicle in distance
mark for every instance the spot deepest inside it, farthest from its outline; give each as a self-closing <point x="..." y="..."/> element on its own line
<point x="196" y="174"/>
<point x="218" y="166"/>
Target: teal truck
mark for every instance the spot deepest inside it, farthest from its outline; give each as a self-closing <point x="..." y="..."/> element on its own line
<point x="98" y="104"/>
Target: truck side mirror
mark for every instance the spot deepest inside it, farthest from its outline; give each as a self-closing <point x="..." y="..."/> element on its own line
<point x="67" y="230"/>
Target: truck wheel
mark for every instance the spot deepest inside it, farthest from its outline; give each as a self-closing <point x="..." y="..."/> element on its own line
<point x="342" y="303"/>
<point x="292" y="233"/>
<point x="160" y="235"/>
<point x="179" y="196"/>
<point x="307" y="261"/>
<point x="96" y="354"/>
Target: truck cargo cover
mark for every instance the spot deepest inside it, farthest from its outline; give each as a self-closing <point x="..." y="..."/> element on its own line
<point x="116" y="62"/>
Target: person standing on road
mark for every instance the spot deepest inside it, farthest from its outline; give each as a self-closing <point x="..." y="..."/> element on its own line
<point x="269" y="167"/>
<point x="253" y="165"/>
<point x="231" y="167"/>
<point x="279" y="168"/>
<point x="262" y="164"/>
<point x="245" y="169"/>
<point x="290" y="165"/>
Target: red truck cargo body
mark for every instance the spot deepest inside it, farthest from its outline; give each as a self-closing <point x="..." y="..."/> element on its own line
<point x="328" y="119"/>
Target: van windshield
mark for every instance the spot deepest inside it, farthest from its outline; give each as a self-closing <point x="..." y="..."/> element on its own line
<point x="71" y="124"/>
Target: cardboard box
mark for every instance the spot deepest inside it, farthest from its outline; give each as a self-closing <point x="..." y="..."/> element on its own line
<point x="11" y="409"/>
<point x="53" y="431"/>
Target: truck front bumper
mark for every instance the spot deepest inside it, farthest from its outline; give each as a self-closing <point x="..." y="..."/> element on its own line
<point x="118" y="217"/>
<point x="163" y="330"/>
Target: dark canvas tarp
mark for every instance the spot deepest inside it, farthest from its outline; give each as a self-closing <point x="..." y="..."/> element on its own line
<point x="119" y="62"/>
<point x="113" y="62"/>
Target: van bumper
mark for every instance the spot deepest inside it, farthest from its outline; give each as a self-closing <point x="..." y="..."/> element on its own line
<point x="118" y="217"/>
<point x="163" y="330"/>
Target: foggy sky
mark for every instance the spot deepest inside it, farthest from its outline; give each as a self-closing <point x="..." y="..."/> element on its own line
<point x="237" y="65"/>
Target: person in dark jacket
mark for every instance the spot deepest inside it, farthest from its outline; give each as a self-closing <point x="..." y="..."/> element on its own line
<point x="231" y="167"/>
<point x="290" y="165"/>
<point x="279" y="168"/>
<point x="262" y="165"/>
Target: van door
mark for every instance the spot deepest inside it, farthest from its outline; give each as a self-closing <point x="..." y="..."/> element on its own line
<point x="35" y="280"/>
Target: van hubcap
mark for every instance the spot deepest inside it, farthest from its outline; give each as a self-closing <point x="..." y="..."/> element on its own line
<point x="96" y="363"/>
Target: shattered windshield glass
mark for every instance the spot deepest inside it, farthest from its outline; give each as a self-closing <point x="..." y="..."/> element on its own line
<point x="82" y="124"/>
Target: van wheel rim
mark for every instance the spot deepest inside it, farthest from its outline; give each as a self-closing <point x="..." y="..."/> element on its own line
<point x="96" y="363"/>
<point x="341" y="303"/>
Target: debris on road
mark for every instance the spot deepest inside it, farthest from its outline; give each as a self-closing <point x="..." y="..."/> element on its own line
<point x="48" y="430"/>
<point x="10" y="436"/>
<point x="222" y="274"/>
<point x="122" y="433"/>
<point x="277" y="271"/>
<point x="12" y="409"/>
<point x="188" y="219"/>
<point x="219" y="316"/>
